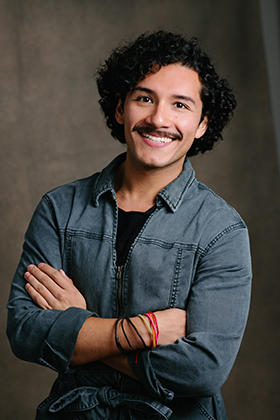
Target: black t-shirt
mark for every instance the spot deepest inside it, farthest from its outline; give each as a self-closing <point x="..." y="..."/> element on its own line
<point x="129" y="225"/>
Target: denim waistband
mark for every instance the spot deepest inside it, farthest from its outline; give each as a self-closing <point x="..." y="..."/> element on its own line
<point x="102" y="402"/>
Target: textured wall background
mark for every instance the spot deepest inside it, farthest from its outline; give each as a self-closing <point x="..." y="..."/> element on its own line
<point x="52" y="132"/>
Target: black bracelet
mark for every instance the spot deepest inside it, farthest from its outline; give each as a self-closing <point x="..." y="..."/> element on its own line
<point x="120" y="347"/>
<point x="137" y="332"/>
<point x="125" y="334"/>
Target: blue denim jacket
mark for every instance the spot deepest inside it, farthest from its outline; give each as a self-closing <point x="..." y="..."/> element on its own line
<point x="192" y="253"/>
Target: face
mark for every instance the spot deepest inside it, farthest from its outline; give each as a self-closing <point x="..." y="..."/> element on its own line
<point x="161" y="118"/>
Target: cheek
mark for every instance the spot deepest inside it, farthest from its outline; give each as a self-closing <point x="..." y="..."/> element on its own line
<point x="134" y="114"/>
<point x="188" y="127"/>
<point x="192" y="125"/>
<point x="129" y="117"/>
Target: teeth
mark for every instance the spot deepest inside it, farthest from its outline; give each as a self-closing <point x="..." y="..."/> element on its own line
<point x="158" y="139"/>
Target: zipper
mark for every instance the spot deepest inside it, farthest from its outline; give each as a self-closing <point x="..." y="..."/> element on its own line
<point x="119" y="278"/>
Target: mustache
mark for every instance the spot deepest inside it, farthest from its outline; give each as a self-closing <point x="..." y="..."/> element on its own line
<point x="152" y="130"/>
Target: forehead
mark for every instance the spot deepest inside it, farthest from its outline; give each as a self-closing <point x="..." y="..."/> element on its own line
<point x="172" y="79"/>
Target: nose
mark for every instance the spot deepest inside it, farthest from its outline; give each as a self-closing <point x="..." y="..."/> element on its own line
<point x="159" y="116"/>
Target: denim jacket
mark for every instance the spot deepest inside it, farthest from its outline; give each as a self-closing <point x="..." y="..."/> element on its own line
<point x="192" y="253"/>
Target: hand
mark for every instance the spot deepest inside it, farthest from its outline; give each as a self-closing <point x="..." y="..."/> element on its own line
<point x="172" y="325"/>
<point x="52" y="289"/>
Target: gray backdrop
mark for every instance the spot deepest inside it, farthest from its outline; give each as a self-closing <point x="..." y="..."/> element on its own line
<point x="52" y="132"/>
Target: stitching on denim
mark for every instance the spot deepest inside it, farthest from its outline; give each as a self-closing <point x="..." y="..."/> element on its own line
<point x="46" y="364"/>
<point x="204" y="187"/>
<point x="203" y="411"/>
<point x="50" y="398"/>
<point x="176" y="279"/>
<point x="85" y="234"/>
<point x="115" y="231"/>
<point x="68" y="250"/>
<point x="169" y="245"/>
<point x="175" y="205"/>
<point x="229" y="229"/>
<point x="52" y="210"/>
<point x="50" y="204"/>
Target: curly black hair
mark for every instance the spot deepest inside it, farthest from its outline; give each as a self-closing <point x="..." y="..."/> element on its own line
<point x="131" y="62"/>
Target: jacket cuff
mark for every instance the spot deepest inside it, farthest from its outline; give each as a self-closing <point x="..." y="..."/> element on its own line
<point x="141" y="366"/>
<point x="58" y="348"/>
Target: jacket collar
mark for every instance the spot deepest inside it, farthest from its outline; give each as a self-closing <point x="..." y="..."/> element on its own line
<point x="172" y="194"/>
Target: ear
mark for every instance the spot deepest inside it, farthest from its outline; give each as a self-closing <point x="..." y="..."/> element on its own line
<point x="119" y="112"/>
<point x="202" y="127"/>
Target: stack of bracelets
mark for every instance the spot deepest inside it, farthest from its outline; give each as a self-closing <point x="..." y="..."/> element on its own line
<point x="151" y="324"/>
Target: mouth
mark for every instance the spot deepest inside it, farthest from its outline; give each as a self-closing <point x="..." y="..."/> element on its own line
<point x="157" y="136"/>
<point x="157" y="139"/>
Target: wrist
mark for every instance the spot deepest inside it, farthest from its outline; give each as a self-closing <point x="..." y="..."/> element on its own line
<point x="144" y="332"/>
<point x="136" y="333"/>
<point x="131" y="334"/>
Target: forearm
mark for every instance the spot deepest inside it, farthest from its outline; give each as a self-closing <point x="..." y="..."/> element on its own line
<point x="97" y="340"/>
<point x="100" y="338"/>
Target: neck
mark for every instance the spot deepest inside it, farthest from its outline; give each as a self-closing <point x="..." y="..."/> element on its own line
<point x="137" y="188"/>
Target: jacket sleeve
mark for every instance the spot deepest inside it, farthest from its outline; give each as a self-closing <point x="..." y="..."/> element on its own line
<point x="198" y="364"/>
<point x="46" y="337"/>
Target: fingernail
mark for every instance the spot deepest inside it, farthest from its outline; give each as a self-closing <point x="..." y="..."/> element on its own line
<point x="30" y="267"/>
<point x="41" y="265"/>
<point x="27" y="274"/>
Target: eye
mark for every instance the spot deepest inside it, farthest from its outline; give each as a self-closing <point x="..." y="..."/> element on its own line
<point x="180" y="105"/>
<point x="145" y="99"/>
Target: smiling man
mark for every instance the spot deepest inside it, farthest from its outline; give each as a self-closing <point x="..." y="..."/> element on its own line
<point x="134" y="283"/>
<point x="161" y="118"/>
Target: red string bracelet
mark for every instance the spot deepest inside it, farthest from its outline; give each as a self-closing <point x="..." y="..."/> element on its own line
<point x="155" y="334"/>
<point x="155" y="321"/>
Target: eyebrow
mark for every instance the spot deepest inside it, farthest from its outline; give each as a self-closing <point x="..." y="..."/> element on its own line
<point x="185" y="98"/>
<point x="181" y="97"/>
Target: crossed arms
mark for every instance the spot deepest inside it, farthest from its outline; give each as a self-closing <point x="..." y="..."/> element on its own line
<point x="58" y="329"/>
<point x="53" y="289"/>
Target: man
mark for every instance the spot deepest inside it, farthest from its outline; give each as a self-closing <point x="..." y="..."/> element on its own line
<point x="143" y="235"/>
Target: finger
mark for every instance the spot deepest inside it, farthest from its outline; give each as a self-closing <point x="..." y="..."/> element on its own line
<point x="36" y="297"/>
<point x="41" y="285"/>
<point x="47" y="276"/>
<point x="59" y="277"/>
<point x="69" y="281"/>
<point x="55" y="287"/>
